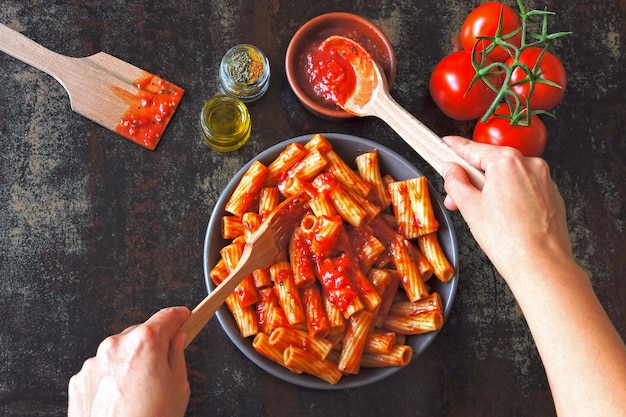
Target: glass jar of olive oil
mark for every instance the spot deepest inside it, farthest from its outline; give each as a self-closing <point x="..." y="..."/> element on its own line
<point x="225" y="123"/>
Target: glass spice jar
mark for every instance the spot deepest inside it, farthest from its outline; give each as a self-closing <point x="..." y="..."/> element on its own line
<point x="225" y="123"/>
<point x="245" y="72"/>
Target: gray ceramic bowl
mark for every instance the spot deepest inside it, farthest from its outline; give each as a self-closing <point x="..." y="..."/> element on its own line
<point x="348" y="147"/>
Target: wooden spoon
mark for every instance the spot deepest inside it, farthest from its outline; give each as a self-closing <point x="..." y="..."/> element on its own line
<point x="371" y="97"/>
<point x="113" y="93"/>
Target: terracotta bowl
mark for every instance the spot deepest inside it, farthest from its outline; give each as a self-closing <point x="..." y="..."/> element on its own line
<point x="311" y="34"/>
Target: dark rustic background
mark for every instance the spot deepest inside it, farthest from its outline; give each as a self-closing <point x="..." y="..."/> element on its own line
<point x="97" y="233"/>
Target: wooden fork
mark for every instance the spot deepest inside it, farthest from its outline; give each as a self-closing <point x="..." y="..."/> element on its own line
<point x="265" y="246"/>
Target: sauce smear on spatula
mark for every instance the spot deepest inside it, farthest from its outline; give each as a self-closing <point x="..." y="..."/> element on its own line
<point x="149" y="111"/>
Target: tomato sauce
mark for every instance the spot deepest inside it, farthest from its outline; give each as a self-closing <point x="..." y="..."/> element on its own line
<point x="245" y="295"/>
<point x="374" y="46"/>
<point x="149" y="111"/>
<point x="334" y="275"/>
<point x="331" y="73"/>
<point x="302" y="264"/>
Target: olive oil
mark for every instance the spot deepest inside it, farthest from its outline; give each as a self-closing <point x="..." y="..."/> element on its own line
<point x="225" y="123"/>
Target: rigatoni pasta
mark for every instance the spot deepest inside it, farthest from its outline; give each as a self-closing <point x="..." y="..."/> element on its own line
<point x="246" y="191"/>
<point x="287" y="292"/>
<point x="354" y="280"/>
<point x="429" y="245"/>
<point x="367" y="164"/>
<point x="292" y="154"/>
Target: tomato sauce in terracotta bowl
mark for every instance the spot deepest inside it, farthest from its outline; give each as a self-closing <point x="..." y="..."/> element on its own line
<point x="307" y="39"/>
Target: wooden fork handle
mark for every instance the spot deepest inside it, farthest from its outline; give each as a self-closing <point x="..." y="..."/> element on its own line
<point x="203" y="312"/>
<point x="423" y="140"/>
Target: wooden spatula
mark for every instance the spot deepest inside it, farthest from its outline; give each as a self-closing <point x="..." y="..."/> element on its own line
<point x="113" y="93"/>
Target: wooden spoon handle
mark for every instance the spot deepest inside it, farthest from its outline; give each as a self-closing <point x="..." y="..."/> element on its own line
<point x="31" y="53"/>
<point x="423" y="140"/>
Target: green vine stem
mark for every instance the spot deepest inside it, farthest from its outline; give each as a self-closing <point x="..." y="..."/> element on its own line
<point x="520" y="112"/>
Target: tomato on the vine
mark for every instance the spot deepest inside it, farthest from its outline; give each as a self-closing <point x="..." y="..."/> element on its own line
<point x="529" y="140"/>
<point x="484" y="21"/>
<point x="545" y="66"/>
<point x="449" y="84"/>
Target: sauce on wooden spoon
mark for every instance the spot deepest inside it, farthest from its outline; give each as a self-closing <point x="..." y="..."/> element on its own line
<point x="342" y="71"/>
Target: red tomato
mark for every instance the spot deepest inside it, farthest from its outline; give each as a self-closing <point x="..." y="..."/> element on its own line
<point x="544" y="96"/>
<point x="483" y="21"/>
<point x="529" y="140"/>
<point x="449" y="84"/>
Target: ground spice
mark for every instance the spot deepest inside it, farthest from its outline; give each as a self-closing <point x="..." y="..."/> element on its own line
<point x="256" y="67"/>
<point x="245" y="67"/>
<point x="244" y="72"/>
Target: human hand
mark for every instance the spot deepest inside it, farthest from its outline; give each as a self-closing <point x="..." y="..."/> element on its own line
<point x="519" y="216"/>
<point x="139" y="372"/>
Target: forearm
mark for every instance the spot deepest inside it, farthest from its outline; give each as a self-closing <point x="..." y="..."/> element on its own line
<point x="584" y="357"/>
<point x="519" y="220"/>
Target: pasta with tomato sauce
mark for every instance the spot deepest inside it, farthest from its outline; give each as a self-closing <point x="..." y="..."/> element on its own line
<point x="354" y="281"/>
